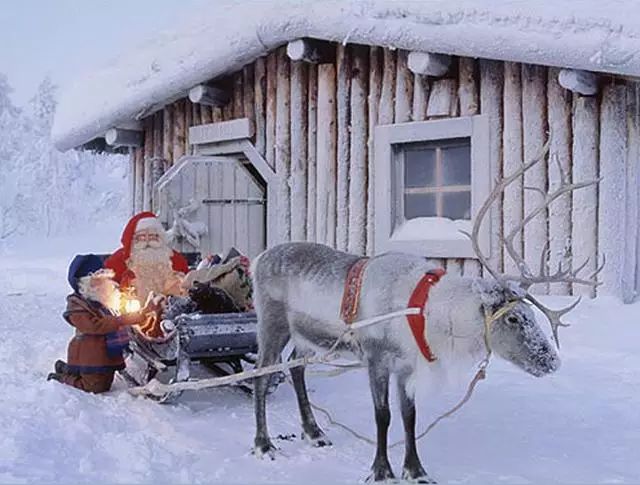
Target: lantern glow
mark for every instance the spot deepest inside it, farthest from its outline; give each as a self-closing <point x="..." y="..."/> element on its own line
<point x="131" y="305"/>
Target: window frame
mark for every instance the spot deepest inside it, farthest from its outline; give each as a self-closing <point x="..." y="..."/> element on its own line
<point x="387" y="140"/>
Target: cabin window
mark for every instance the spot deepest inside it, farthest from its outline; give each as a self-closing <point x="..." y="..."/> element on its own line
<point x="430" y="179"/>
<point x="435" y="179"/>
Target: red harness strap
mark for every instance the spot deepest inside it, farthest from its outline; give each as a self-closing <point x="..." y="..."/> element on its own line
<point x="351" y="294"/>
<point x="419" y="299"/>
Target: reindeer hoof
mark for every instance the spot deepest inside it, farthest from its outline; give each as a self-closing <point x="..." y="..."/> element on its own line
<point x="316" y="439"/>
<point x="417" y="476"/>
<point x="382" y="473"/>
<point x="264" y="448"/>
<point x="422" y="479"/>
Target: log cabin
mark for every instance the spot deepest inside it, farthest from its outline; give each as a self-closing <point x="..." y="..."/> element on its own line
<point x="376" y="125"/>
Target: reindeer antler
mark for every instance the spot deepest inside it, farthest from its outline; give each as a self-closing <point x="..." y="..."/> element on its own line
<point x="527" y="278"/>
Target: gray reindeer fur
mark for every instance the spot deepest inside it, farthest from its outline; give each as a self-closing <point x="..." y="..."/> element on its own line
<point x="298" y="293"/>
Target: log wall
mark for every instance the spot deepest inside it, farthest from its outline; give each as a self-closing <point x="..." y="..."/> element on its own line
<point x="314" y="124"/>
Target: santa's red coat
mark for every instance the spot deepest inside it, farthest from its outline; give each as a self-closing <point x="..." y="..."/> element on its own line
<point x="118" y="260"/>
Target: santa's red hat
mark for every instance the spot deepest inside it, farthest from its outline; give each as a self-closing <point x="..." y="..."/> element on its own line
<point x="149" y="224"/>
<point x="141" y="221"/>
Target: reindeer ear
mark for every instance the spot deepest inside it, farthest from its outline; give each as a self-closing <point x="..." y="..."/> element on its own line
<point x="491" y="293"/>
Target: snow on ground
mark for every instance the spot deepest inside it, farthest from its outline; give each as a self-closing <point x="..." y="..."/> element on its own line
<point x="580" y="425"/>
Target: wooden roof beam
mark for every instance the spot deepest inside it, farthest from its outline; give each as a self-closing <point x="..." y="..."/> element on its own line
<point x="312" y="51"/>
<point x="581" y="82"/>
<point x="428" y="63"/>
<point x="122" y="137"/>
<point x="210" y="95"/>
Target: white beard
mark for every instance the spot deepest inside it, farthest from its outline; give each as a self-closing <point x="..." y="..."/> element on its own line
<point x="104" y="291"/>
<point x="151" y="265"/>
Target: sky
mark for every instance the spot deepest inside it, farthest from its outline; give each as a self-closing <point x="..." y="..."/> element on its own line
<point x="63" y="38"/>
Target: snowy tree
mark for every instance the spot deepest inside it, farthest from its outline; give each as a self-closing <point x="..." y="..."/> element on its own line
<point x="43" y="191"/>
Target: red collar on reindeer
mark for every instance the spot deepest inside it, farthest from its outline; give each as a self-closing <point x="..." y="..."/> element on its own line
<point x="419" y="297"/>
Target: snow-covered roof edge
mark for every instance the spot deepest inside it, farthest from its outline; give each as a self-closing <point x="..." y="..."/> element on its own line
<point x="581" y="34"/>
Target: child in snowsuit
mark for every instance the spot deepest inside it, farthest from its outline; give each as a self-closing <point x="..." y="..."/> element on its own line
<point x="95" y="352"/>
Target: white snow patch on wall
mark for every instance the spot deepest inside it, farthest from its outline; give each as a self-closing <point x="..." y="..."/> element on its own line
<point x="427" y="228"/>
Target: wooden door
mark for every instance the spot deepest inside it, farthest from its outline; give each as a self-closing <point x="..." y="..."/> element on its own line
<point x="226" y="195"/>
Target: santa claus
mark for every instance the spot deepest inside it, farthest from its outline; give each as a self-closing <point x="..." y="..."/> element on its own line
<point x="145" y="263"/>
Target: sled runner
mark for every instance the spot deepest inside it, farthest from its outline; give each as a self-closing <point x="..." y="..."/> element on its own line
<point x="197" y="345"/>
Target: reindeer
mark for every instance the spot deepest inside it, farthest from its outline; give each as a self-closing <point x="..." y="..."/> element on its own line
<point x="298" y="292"/>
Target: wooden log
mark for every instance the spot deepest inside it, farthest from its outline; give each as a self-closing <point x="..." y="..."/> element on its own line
<point x="387" y="94"/>
<point x="468" y="87"/>
<point x="311" y="50"/>
<point x="139" y="195"/>
<point x="283" y="146"/>
<point x="248" y="92"/>
<point x="581" y="82"/>
<point x="132" y="180"/>
<point x="272" y="76"/>
<point x="312" y="152"/>
<point x="404" y="89"/>
<point x="358" y="151"/>
<point x="196" y="114"/>
<point x="631" y="263"/>
<point x="158" y="161"/>
<point x="429" y="63"/>
<point x="179" y="129"/>
<point x="512" y="146"/>
<point x="326" y="159"/>
<point x="188" y="122"/>
<point x="167" y="133"/>
<point x="375" y="87"/>
<point x="534" y="127"/>
<point x="584" y="204"/>
<point x="442" y="99"/>
<point x="148" y="156"/>
<point x="491" y="103"/>
<point x="158" y="120"/>
<point x="343" y="106"/>
<point x="210" y="95"/>
<point x="238" y="95"/>
<point x="228" y="109"/>
<point x="468" y="99"/>
<point x="613" y="142"/>
<point x="119" y="137"/>
<point x="299" y="142"/>
<point x="421" y="88"/>
<point x="216" y="115"/>
<point x="260" y="89"/>
<point x="385" y="109"/>
<point x="559" y="119"/>
<point x="206" y="114"/>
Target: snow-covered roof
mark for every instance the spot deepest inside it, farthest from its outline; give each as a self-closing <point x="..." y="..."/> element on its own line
<point x="583" y="34"/>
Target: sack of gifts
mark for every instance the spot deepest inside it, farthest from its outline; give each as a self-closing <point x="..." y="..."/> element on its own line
<point x="231" y="275"/>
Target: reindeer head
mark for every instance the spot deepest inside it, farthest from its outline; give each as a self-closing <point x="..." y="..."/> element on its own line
<point x="511" y="329"/>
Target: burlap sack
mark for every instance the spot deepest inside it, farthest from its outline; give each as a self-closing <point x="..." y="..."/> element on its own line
<point x="233" y="277"/>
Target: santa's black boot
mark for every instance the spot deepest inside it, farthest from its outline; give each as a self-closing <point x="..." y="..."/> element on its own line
<point x="60" y="367"/>
<point x="54" y="376"/>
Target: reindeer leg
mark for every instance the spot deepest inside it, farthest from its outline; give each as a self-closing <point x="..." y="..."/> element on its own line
<point x="312" y="431"/>
<point x="273" y="335"/>
<point x="379" y="384"/>
<point x="412" y="468"/>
